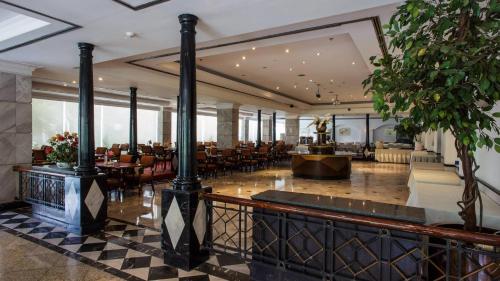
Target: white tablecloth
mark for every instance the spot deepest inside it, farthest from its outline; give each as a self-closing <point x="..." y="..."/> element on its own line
<point x="393" y="155"/>
<point x="439" y="191"/>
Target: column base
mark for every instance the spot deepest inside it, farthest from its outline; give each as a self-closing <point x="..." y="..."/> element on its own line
<point x="185" y="228"/>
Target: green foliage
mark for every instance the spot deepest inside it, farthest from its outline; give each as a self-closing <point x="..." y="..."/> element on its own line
<point x="407" y="127"/>
<point x="443" y="68"/>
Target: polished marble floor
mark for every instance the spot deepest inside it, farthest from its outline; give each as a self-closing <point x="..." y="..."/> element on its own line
<point x="382" y="182"/>
<point x="31" y="249"/>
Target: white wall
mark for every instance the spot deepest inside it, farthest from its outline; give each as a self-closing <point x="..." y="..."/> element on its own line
<point x="357" y="124"/>
<point x="489" y="161"/>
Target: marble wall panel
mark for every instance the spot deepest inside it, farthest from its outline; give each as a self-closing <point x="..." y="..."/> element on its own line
<point x="227" y="127"/>
<point x="7" y="117"/>
<point x="8" y="186"/>
<point x="23" y="89"/>
<point x="7" y="87"/>
<point x="23" y="148"/>
<point x="8" y="148"/>
<point x="292" y="131"/>
<point x="23" y="117"/>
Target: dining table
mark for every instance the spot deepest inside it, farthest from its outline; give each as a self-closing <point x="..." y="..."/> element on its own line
<point x="123" y="168"/>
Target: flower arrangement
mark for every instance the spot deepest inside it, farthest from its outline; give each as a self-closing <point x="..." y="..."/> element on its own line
<point x="65" y="149"/>
<point x="320" y="123"/>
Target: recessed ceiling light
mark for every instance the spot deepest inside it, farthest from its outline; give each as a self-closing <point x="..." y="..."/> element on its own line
<point x="318" y="54"/>
<point x="303" y="62"/>
<point x="353" y="63"/>
<point x="277" y="87"/>
<point x="130" y="34"/>
<point x="331" y="80"/>
<point x="291" y="69"/>
<point x="100" y="78"/>
<point x="237" y="65"/>
<point x="295" y="86"/>
<point x="65" y="85"/>
<point x="74" y="82"/>
<point x="243" y="58"/>
<point x="287" y="51"/>
<point x="253" y="48"/>
<point x="310" y="80"/>
<point x="307" y="88"/>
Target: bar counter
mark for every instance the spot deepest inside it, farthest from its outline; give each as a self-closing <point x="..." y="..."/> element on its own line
<point x="322" y="166"/>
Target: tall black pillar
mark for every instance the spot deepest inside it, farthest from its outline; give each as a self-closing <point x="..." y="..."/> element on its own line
<point x="184" y="214"/>
<point x="85" y="192"/>
<point x="367" y="141"/>
<point x="86" y="145"/>
<point x="274" y="129"/>
<point x="333" y="127"/>
<point x="133" y="124"/>
<point x="259" y="128"/>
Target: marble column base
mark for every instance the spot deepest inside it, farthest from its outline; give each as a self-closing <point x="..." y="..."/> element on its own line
<point x="86" y="203"/>
<point x="185" y="227"/>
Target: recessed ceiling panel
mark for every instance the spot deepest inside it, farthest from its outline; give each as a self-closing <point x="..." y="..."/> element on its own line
<point x="139" y="4"/>
<point x="20" y="26"/>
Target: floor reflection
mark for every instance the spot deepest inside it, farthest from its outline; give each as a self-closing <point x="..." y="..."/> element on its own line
<point x="382" y="182"/>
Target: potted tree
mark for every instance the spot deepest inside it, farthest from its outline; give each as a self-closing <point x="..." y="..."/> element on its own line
<point x="444" y="70"/>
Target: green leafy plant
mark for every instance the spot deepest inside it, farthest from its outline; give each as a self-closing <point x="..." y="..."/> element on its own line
<point x="64" y="148"/>
<point x="408" y="129"/>
<point x="443" y="69"/>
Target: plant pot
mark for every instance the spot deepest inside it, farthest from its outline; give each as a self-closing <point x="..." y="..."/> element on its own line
<point x="471" y="258"/>
<point x="65" y="165"/>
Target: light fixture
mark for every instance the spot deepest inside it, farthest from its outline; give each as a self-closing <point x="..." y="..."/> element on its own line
<point x="331" y="80"/>
<point x="100" y="78"/>
<point x="336" y="101"/>
<point x="287" y="51"/>
<point x="295" y="86"/>
<point x="277" y="87"/>
<point x="243" y="58"/>
<point x="65" y="85"/>
<point x="318" y="94"/>
<point x="317" y="54"/>
<point x="237" y="65"/>
<point x="253" y="48"/>
<point x="291" y="69"/>
<point x="310" y="80"/>
<point x="353" y="63"/>
<point x="130" y="34"/>
<point x="303" y="62"/>
<point x="307" y="88"/>
<point x="74" y="82"/>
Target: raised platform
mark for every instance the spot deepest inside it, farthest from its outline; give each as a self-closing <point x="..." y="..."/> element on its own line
<point x="321" y="166"/>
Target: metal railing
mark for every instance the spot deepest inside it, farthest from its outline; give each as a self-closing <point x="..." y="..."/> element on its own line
<point x="338" y="246"/>
<point x="41" y="188"/>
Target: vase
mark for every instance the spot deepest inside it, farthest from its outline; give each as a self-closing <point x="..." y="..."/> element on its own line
<point x="64" y="165"/>
<point x="321" y="129"/>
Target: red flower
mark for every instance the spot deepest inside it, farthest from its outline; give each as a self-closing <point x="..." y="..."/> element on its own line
<point x="48" y="150"/>
<point x="60" y="138"/>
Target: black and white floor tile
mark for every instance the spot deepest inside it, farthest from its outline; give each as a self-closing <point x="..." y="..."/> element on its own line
<point x="127" y="251"/>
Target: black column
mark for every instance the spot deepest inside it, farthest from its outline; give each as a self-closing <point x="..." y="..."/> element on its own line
<point x="259" y="129"/>
<point x="333" y="127"/>
<point x="185" y="216"/>
<point x="367" y="130"/>
<point x="86" y="145"/>
<point x="133" y="124"/>
<point x="274" y="129"/>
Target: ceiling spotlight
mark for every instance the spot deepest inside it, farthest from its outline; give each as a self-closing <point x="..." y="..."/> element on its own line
<point x="253" y="48"/>
<point x="243" y="58"/>
<point x="307" y="88"/>
<point x="303" y="62"/>
<point x="100" y="78"/>
<point x="65" y="85"/>
<point x="310" y="80"/>
<point x="318" y="54"/>
<point x="277" y="87"/>
<point x="237" y="65"/>
<point x="291" y="69"/>
<point x="130" y="34"/>
<point x="287" y="51"/>
<point x="331" y="80"/>
<point x="353" y="63"/>
<point x="295" y="86"/>
<point x="74" y="82"/>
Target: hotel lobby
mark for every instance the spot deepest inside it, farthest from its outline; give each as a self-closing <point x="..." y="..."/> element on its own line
<point x="249" y="140"/>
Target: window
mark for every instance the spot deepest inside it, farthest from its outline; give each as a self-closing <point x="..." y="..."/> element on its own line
<point x="111" y="123"/>
<point x="206" y="128"/>
<point x="252" y="130"/>
<point x="280" y="129"/>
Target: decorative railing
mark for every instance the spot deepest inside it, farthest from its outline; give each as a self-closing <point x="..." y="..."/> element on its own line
<point x="311" y="243"/>
<point x="46" y="189"/>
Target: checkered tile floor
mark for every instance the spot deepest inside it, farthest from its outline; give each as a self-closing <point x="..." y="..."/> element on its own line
<point x="124" y="250"/>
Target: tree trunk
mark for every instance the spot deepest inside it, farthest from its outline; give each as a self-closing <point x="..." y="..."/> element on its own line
<point x="469" y="197"/>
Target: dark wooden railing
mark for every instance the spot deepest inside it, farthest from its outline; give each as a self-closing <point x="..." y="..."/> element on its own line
<point x="328" y="245"/>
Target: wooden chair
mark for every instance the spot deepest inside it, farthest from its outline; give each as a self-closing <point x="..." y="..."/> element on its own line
<point x="161" y="157"/>
<point x="115" y="145"/>
<point x="229" y="161"/>
<point x="147" y="150"/>
<point x="116" y="153"/>
<point x="205" y="166"/>
<point x="126" y="158"/>
<point x="124" y="147"/>
<point x="247" y="160"/>
<point x="145" y="174"/>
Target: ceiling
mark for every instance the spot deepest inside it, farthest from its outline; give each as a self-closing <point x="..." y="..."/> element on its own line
<point x="226" y="31"/>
